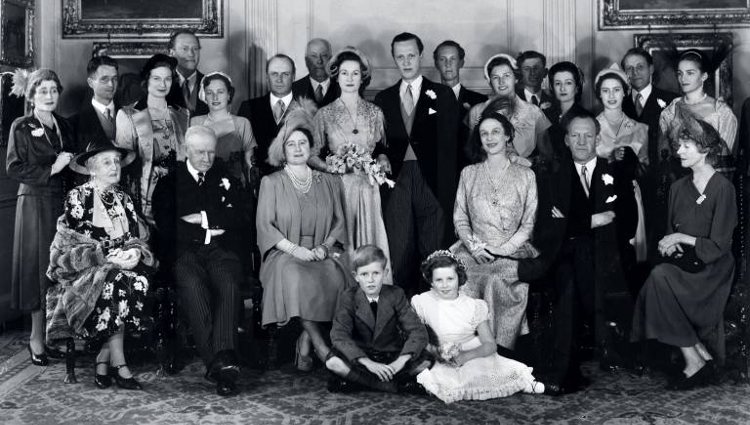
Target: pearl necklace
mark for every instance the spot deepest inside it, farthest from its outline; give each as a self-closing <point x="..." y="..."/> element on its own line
<point x="495" y="197"/>
<point x="303" y="185"/>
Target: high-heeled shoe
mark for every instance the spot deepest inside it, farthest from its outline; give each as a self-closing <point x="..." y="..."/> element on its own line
<point x="102" y="381"/>
<point x="698" y="379"/>
<point x="124" y="383"/>
<point x="37" y="359"/>
<point x="303" y="363"/>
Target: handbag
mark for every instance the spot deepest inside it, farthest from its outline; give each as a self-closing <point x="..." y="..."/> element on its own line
<point x="686" y="260"/>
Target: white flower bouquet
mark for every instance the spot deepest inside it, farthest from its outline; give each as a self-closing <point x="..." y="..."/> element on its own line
<point x="352" y="158"/>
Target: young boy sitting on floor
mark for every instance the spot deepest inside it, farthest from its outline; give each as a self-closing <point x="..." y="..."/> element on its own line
<point x="377" y="338"/>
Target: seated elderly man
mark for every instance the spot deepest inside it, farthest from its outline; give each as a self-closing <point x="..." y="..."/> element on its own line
<point x="197" y="209"/>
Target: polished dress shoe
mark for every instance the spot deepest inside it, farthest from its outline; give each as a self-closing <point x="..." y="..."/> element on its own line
<point x="38" y="359"/>
<point x="340" y="385"/>
<point x="224" y="367"/>
<point x="411" y="386"/>
<point x="124" y="383"/>
<point x="102" y="381"/>
<point x="226" y="388"/>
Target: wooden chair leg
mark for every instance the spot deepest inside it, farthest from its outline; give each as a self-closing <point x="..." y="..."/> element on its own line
<point x="70" y="361"/>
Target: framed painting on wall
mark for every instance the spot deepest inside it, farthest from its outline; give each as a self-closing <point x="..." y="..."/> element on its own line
<point x="131" y="56"/>
<point x="17" y="33"/>
<point x="635" y="14"/>
<point x="665" y="76"/>
<point x="141" y="18"/>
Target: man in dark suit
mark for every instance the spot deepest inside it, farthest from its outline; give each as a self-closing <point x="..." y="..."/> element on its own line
<point x="449" y="59"/>
<point x="645" y="104"/>
<point x="580" y="202"/>
<point x="198" y="210"/>
<point x="420" y="121"/>
<point x="533" y="66"/>
<point x="317" y="85"/>
<point x="95" y="122"/>
<point x="266" y="113"/>
<point x="186" y="48"/>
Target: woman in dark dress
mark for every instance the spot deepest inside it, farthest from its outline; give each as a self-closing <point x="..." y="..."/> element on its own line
<point x="566" y="80"/>
<point x="683" y="299"/>
<point x="100" y="264"/>
<point x="301" y="228"/>
<point x="39" y="150"/>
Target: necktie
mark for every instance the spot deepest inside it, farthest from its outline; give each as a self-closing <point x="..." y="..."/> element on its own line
<point x="186" y="92"/>
<point x="408" y="100"/>
<point x="278" y="110"/>
<point x="109" y="115"/>
<point x="201" y="178"/>
<point x="374" y="308"/>
<point x="638" y="104"/>
<point x="534" y="100"/>
<point x="585" y="180"/>
<point x="319" y="94"/>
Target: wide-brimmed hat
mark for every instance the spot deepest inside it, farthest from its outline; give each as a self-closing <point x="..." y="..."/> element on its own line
<point x="78" y="164"/>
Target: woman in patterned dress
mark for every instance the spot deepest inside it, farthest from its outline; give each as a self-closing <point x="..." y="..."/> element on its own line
<point x="39" y="150"/>
<point x="154" y="128"/>
<point x="494" y="217"/>
<point x="100" y="264"/>
<point x="352" y="120"/>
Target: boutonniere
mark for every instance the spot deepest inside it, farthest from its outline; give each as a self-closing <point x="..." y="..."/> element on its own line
<point x="545" y="105"/>
<point x="37" y="132"/>
<point x="431" y="94"/>
<point x="225" y="183"/>
<point x="662" y="104"/>
<point x="607" y="179"/>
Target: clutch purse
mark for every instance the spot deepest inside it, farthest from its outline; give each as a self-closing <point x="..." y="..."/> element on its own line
<point x="687" y="260"/>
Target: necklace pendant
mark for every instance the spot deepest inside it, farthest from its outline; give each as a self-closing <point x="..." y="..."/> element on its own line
<point x="355" y="131"/>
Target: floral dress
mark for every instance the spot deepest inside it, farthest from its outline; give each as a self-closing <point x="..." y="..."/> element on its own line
<point x="109" y="217"/>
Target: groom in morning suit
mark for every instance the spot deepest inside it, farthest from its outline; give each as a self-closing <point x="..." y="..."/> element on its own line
<point x="421" y="119"/>
<point x="198" y="211"/>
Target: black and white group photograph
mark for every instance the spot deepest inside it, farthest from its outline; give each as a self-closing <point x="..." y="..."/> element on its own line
<point x="329" y="212"/>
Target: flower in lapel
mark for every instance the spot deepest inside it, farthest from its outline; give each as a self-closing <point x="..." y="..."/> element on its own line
<point x="37" y="131"/>
<point x="662" y="103"/>
<point x="607" y="179"/>
<point x="225" y="183"/>
<point x="431" y="94"/>
<point x="545" y="105"/>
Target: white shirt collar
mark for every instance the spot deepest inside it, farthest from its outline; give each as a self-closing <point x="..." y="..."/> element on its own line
<point x="528" y="93"/>
<point x="457" y="90"/>
<point x="645" y="93"/>
<point x="102" y="108"/>
<point x="589" y="167"/>
<point x="286" y="99"/>
<point x="416" y="88"/>
<point x="369" y="299"/>
<point x="193" y="172"/>
<point x="191" y="79"/>
<point x="324" y="84"/>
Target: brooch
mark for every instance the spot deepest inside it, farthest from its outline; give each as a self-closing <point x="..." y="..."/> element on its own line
<point x="37" y="132"/>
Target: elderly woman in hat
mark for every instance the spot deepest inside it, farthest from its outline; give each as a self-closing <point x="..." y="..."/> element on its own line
<point x="154" y="128"/>
<point x="101" y="265"/>
<point x="39" y="150"/>
<point x="301" y="228"/>
<point x="529" y="122"/>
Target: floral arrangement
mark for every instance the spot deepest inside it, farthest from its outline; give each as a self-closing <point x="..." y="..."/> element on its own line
<point x="350" y="157"/>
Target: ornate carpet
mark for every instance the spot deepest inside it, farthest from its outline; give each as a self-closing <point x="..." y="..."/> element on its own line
<point x="37" y="395"/>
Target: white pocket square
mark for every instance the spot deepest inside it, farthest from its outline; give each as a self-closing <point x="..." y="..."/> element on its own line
<point x="610" y="199"/>
<point x="431" y="111"/>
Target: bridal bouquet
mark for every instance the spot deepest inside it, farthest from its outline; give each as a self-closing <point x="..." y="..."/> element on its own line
<point x="352" y="158"/>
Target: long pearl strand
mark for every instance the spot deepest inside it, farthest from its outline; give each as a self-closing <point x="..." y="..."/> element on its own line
<point x="302" y="185"/>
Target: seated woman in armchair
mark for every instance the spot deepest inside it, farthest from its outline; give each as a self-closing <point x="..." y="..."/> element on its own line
<point x="100" y="264"/>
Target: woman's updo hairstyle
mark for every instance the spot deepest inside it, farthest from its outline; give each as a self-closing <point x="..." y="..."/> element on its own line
<point x="350" y="53"/>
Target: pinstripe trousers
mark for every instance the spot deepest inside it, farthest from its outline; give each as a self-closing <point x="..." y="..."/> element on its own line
<point x="415" y="225"/>
<point x="207" y="280"/>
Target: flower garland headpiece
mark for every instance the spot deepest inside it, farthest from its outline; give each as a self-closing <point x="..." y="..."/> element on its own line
<point x="445" y="253"/>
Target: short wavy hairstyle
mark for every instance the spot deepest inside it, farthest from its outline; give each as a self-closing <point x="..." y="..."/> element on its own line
<point x="220" y="76"/>
<point x="355" y="55"/>
<point x="498" y="60"/>
<point x="367" y="254"/>
<point x="440" y="261"/>
<point x="474" y="150"/>
<point x="36" y="78"/>
<point x="705" y="137"/>
<point x="573" y="69"/>
<point x="276" y="155"/>
<point x="610" y="76"/>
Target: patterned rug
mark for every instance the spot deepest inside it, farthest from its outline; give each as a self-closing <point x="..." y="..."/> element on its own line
<point x="37" y="395"/>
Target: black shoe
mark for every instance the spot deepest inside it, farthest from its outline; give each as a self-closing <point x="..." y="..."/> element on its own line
<point x="553" y="389"/>
<point x="124" y="383"/>
<point x="224" y="367"/>
<point x="54" y="353"/>
<point x="411" y="387"/>
<point x="226" y="388"/>
<point x="341" y="385"/>
<point x="698" y="379"/>
<point x="37" y="359"/>
<point x="102" y="381"/>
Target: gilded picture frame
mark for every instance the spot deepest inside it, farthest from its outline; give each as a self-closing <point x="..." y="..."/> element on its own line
<point x="96" y="19"/>
<point x="17" y="33"/>
<point x="718" y="85"/>
<point x="653" y="14"/>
